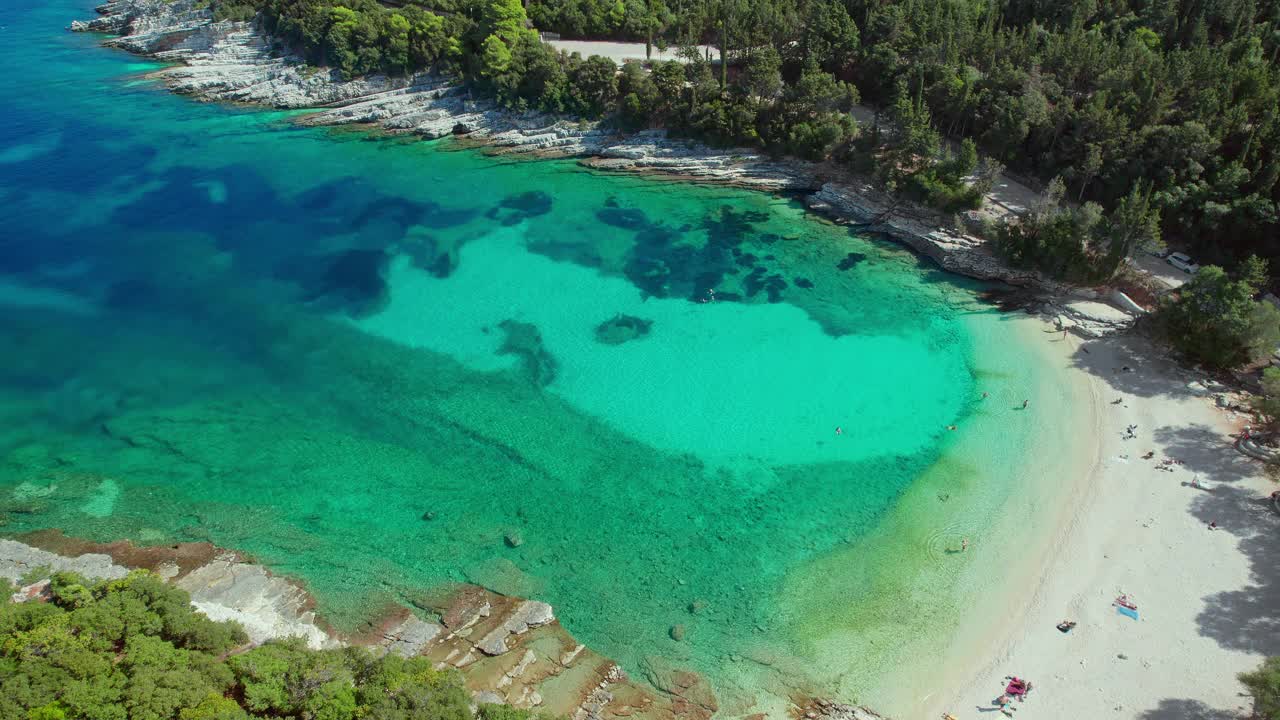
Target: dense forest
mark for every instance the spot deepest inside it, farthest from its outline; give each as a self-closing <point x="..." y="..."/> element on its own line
<point x="1179" y="94"/>
<point x="135" y="649"/>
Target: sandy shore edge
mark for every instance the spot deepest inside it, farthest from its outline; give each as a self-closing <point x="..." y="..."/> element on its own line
<point x="1127" y="526"/>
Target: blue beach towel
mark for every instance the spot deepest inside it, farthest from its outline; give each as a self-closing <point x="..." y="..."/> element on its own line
<point x="1126" y="611"/>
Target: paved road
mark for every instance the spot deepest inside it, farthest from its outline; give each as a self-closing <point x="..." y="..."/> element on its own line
<point x="619" y="52"/>
<point x="1160" y="270"/>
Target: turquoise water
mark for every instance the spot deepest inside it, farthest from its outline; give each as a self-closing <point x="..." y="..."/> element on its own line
<point x="367" y="361"/>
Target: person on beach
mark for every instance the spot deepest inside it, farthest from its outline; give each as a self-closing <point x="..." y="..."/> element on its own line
<point x="1066" y="625"/>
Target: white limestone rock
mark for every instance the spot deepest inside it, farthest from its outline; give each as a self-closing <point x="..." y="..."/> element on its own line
<point x="411" y="636"/>
<point x="268" y="607"/>
<point x="17" y="559"/>
<point x="528" y="614"/>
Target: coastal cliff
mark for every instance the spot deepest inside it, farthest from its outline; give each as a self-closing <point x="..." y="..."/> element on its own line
<point x="232" y="61"/>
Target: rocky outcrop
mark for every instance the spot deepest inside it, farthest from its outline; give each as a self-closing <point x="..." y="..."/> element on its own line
<point x="824" y="710"/>
<point x="1088" y="318"/>
<point x="266" y="606"/>
<point x="410" y="636"/>
<point x="528" y="614"/>
<point x="18" y="559"/>
<point x="229" y="61"/>
<point x="509" y="650"/>
<point x="921" y="230"/>
<point x="652" y="151"/>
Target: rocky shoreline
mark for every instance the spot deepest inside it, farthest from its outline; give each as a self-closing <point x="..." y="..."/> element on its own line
<point x="236" y="62"/>
<point x="509" y="650"/>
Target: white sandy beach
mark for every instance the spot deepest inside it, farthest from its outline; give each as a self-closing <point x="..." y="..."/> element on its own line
<point x="1208" y="600"/>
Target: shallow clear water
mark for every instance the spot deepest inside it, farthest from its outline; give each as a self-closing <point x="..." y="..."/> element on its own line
<point x="297" y="343"/>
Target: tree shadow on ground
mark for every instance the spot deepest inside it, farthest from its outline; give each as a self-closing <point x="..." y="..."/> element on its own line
<point x="1246" y="619"/>
<point x="1203" y="451"/>
<point x="1151" y="373"/>
<point x="1171" y="709"/>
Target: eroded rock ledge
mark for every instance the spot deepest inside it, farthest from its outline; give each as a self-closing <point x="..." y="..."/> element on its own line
<point x="509" y="650"/>
<point x="236" y="62"/>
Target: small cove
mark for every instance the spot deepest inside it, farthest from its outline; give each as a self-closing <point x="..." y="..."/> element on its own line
<point x="299" y="343"/>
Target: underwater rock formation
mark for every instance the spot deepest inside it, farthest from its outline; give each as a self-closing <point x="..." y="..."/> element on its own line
<point x="622" y="328"/>
<point x="516" y="208"/>
<point x="434" y="254"/>
<point x="524" y="341"/>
